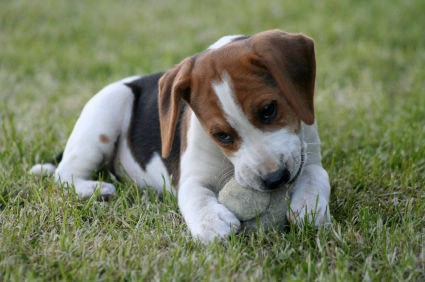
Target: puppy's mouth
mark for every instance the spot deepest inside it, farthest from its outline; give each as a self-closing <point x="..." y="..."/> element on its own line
<point x="285" y="185"/>
<point x="258" y="183"/>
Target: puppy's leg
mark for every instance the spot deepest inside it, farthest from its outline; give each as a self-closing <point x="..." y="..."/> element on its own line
<point x="201" y="165"/>
<point x="310" y="197"/>
<point x="204" y="215"/>
<point x="93" y="139"/>
<point x="311" y="191"/>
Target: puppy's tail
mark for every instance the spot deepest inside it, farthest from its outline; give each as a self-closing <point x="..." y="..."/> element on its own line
<point x="47" y="169"/>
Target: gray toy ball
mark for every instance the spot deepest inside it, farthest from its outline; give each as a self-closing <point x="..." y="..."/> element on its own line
<point x="255" y="208"/>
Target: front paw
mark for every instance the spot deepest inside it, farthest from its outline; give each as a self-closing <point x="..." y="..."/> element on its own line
<point x="86" y="188"/>
<point x="313" y="210"/>
<point x="213" y="221"/>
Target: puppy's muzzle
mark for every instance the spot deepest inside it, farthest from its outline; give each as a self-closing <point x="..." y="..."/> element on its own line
<point x="276" y="178"/>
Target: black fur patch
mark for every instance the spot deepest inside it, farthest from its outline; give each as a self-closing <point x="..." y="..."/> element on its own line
<point x="144" y="134"/>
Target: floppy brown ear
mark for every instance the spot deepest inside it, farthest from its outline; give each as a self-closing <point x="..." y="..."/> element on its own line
<point x="291" y="61"/>
<point x="174" y="86"/>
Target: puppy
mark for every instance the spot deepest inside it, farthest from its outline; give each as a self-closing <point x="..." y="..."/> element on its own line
<point x="242" y="108"/>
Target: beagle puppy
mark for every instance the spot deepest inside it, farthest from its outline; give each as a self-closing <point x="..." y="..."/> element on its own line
<point x="242" y="108"/>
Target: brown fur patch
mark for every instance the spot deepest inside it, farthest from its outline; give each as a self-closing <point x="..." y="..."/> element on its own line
<point x="104" y="139"/>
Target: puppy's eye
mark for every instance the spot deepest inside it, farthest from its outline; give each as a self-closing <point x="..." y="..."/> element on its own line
<point x="223" y="137"/>
<point x="268" y="112"/>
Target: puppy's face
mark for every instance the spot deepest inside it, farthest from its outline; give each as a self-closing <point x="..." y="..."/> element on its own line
<point x="250" y="96"/>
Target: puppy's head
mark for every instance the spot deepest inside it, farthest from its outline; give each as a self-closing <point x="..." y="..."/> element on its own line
<point x="250" y="96"/>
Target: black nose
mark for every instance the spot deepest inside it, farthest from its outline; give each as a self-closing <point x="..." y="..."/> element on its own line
<point x="276" y="178"/>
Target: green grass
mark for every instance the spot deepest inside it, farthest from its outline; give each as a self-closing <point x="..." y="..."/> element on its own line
<point x="370" y="105"/>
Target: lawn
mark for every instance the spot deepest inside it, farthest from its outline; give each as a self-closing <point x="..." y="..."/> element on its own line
<point x="370" y="105"/>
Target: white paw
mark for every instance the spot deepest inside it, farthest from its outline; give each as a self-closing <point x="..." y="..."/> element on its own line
<point x="43" y="169"/>
<point x="213" y="221"/>
<point x="86" y="188"/>
<point x="314" y="210"/>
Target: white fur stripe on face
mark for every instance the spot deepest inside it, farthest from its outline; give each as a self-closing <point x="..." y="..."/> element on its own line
<point x="224" y="40"/>
<point x="231" y="108"/>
